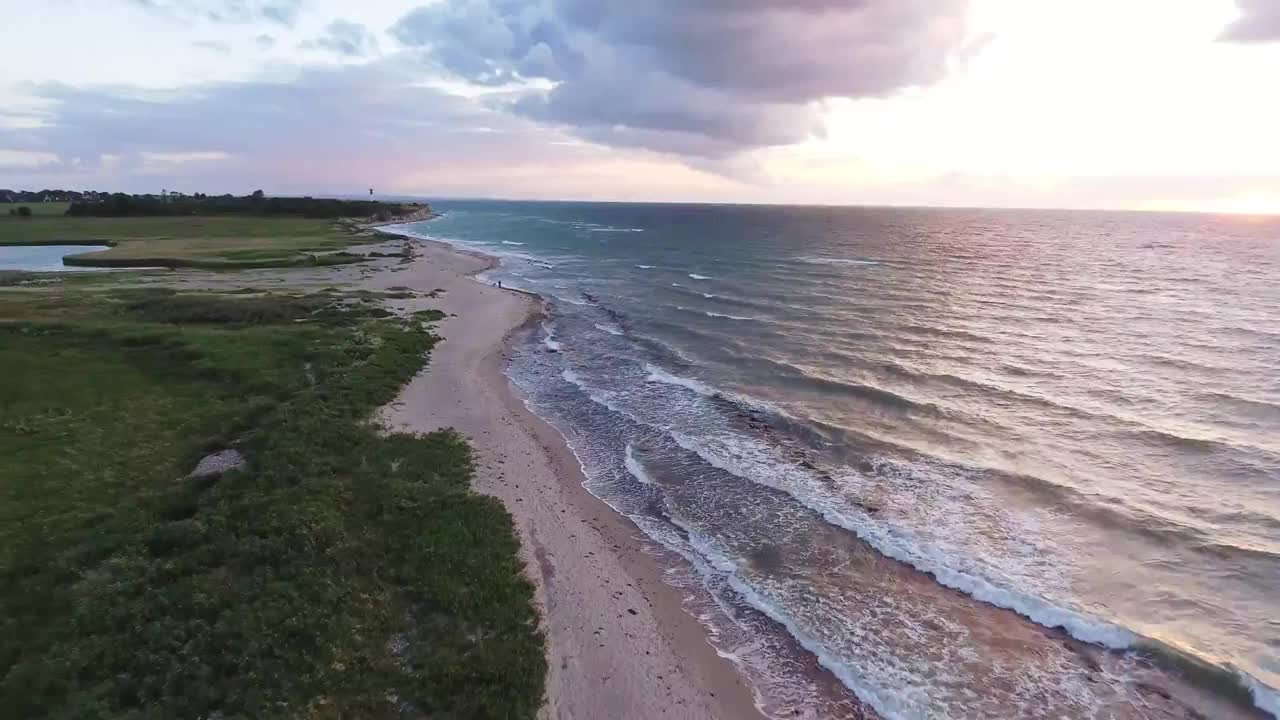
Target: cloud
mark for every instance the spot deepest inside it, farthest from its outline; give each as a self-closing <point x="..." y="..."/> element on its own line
<point x="264" y="42"/>
<point x="283" y="12"/>
<point x="1259" y="22"/>
<point x="705" y="79"/>
<point x="320" y="130"/>
<point x="214" y="46"/>
<point x="347" y="39"/>
<point x="25" y="159"/>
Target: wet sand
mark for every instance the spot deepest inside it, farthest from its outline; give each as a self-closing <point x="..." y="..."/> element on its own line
<point x="620" y="644"/>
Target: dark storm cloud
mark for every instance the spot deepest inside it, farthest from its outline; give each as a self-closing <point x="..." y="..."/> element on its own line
<point x="347" y="39"/>
<point x="1259" y="22"/>
<point x="283" y="12"/>
<point x="705" y="79"/>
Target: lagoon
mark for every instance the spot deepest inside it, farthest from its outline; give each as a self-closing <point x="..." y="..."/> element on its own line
<point x="43" y="258"/>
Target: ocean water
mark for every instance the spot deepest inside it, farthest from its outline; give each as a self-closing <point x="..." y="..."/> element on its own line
<point x="924" y="463"/>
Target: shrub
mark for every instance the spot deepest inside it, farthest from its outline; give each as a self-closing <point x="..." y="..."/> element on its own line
<point x="24" y="211"/>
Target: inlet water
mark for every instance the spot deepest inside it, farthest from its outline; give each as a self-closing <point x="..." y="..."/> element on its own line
<point x="43" y="258"/>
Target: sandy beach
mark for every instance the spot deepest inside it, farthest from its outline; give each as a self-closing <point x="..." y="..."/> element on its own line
<point x="619" y="643"/>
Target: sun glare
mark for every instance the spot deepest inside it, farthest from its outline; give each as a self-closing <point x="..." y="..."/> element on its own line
<point x="1260" y="203"/>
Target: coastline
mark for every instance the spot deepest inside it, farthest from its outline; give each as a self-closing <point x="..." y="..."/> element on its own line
<point x="540" y="482"/>
<point x="619" y="642"/>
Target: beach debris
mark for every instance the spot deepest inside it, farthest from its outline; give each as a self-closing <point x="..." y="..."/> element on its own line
<point x="217" y="464"/>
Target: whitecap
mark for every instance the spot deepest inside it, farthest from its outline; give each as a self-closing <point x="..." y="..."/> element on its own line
<point x="645" y="267"/>
<point x="658" y="375"/>
<point x="508" y="242"/>
<point x="696" y="276"/>
<point x="611" y="329"/>
<point x="635" y="468"/>
<point x="751" y="462"/>
<point x="549" y="340"/>
<point x="1264" y="697"/>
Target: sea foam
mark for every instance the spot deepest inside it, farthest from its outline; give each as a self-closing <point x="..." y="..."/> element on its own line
<point x="658" y="375"/>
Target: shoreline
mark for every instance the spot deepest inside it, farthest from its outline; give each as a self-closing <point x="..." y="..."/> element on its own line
<point x="634" y="554"/>
<point x="619" y="641"/>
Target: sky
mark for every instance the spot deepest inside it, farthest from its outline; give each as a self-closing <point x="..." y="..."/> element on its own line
<point x="1130" y="104"/>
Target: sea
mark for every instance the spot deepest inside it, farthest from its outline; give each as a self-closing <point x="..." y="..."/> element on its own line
<point x="927" y="463"/>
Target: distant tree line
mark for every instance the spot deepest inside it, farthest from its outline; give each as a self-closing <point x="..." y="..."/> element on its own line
<point x="123" y="205"/>
<point x="42" y="196"/>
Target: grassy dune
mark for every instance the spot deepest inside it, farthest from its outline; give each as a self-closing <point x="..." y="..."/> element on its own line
<point x="187" y="241"/>
<point x="343" y="573"/>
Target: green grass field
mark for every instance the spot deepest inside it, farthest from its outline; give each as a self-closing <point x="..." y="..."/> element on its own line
<point x="37" y="209"/>
<point x="189" y="241"/>
<point x="343" y="573"/>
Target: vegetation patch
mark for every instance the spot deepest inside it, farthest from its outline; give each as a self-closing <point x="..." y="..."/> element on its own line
<point x="342" y="573"/>
<point x="212" y="242"/>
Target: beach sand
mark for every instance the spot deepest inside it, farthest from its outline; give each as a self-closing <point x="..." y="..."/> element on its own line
<point x="620" y="644"/>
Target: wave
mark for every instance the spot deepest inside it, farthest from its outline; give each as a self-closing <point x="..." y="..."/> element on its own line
<point x="902" y="548"/>
<point x="509" y="242"/>
<point x="890" y="544"/>
<point x="611" y="329"/>
<point x="634" y="467"/>
<point x="645" y="267"/>
<point x="658" y="375"/>
<point x="1181" y="441"/>
<point x="1264" y="697"/>
<point x="708" y="295"/>
<point x="836" y="261"/>
<point x="861" y="390"/>
<point x="886" y="705"/>
<point x="1250" y="406"/>
<point x="696" y="276"/>
<point x="713" y="314"/>
<point x="582" y="225"/>
<point x="881" y="537"/>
